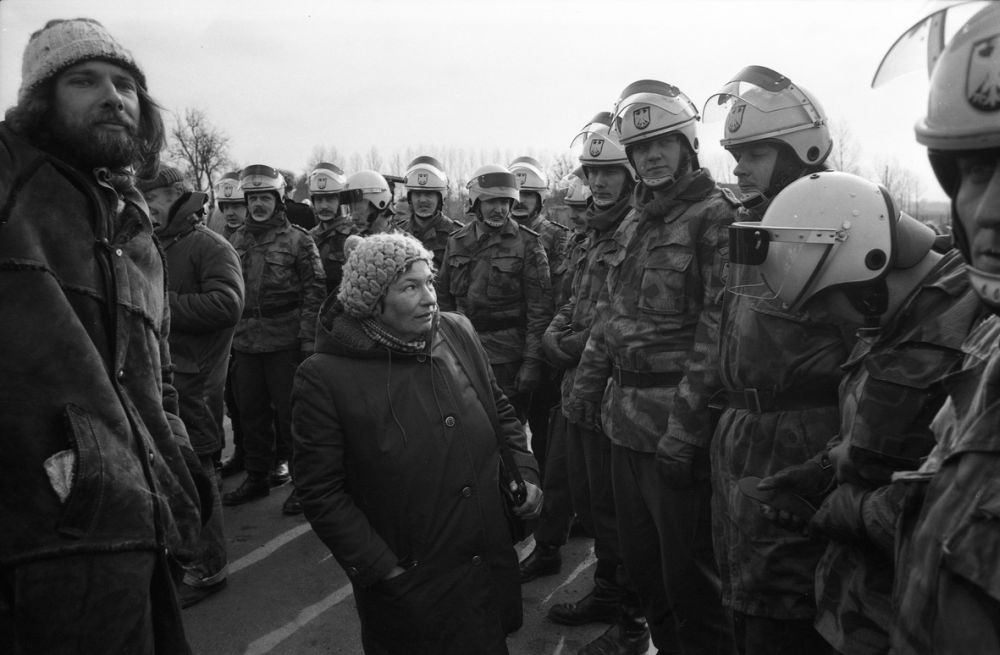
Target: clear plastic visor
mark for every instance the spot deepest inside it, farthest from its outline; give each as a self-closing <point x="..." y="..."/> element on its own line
<point x="776" y="262"/>
<point x="676" y="106"/>
<point x="765" y="93"/>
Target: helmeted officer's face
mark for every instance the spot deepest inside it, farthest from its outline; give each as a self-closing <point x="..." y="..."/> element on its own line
<point x="754" y="166"/>
<point x="606" y="184"/>
<point x="977" y="205"/>
<point x="261" y="205"/>
<point x="424" y="203"/>
<point x="658" y="158"/>
<point x="327" y="206"/>
<point x="494" y="211"/>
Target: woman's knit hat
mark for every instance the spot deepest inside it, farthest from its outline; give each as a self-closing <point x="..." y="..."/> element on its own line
<point x="62" y="43"/>
<point x="372" y="265"/>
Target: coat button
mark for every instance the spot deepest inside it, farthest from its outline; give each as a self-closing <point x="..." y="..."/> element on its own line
<point x="352" y="571"/>
<point x="449" y="421"/>
<point x="118" y="251"/>
<point x="121" y="374"/>
<point x="151" y="455"/>
<point x="477" y="560"/>
<point x="466" y="492"/>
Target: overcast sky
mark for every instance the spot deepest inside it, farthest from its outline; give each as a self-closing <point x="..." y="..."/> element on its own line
<point x="283" y="76"/>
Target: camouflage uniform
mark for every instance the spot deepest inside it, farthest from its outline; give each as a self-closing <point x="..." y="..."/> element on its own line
<point x="780" y="372"/>
<point x="576" y="248"/>
<point x="947" y="596"/>
<point x="888" y="396"/>
<point x="284" y="283"/>
<point x="500" y="280"/>
<point x="330" y="237"/>
<point x="655" y="336"/>
<point x="433" y="233"/>
<point x="554" y="238"/>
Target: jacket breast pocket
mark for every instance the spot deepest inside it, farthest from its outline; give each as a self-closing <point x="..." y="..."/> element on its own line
<point x="504" y="283"/>
<point x="663" y="286"/>
<point x="279" y="269"/>
<point x="458" y="274"/>
<point x="973" y="550"/>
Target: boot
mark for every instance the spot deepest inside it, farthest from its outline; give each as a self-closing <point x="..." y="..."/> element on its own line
<point x="292" y="505"/>
<point x="254" y="486"/>
<point x="281" y="474"/>
<point x="543" y="560"/>
<point x="628" y="637"/>
<point x="601" y="605"/>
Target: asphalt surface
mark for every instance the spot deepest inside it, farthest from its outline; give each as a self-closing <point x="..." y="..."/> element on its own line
<point x="286" y="595"/>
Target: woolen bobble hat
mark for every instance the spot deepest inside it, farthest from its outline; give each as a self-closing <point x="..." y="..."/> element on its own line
<point x="372" y="265"/>
<point x="62" y="43"/>
<point x="165" y="176"/>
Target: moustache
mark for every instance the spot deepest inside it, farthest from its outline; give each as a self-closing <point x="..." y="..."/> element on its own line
<point x="114" y="118"/>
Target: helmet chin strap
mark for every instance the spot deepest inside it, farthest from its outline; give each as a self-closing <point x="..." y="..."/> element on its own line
<point x="870" y="300"/>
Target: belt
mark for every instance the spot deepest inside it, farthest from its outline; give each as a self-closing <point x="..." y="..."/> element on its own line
<point x="759" y="401"/>
<point x="268" y="312"/>
<point x="496" y="324"/>
<point x="645" y="379"/>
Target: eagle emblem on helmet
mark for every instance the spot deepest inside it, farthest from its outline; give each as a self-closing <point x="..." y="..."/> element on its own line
<point x="640" y="118"/>
<point x="321" y="182"/>
<point x="422" y="179"/>
<point x="982" y="81"/>
<point x="227" y="190"/>
<point x="596" y="146"/>
<point x="521" y="177"/>
<point x="736" y="117"/>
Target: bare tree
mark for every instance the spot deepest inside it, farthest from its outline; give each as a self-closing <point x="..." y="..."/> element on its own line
<point x="902" y="183"/>
<point x="320" y="153"/>
<point x="374" y="159"/>
<point x="846" y="154"/>
<point x="199" y="145"/>
<point x="357" y="162"/>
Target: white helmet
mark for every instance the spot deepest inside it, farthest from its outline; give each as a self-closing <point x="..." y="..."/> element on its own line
<point x="492" y="181"/>
<point x="371" y="186"/>
<point x="530" y="176"/>
<point x="228" y="189"/>
<point x="426" y="174"/>
<point x="760" y="104"/>
<point x="577" y="191"/>
<point x="648" y="109"/>
<point x="261" y="177"/>
<point x="598" y="147"/>
<point x="828" y="230"/>
<point x="326" y="179"/>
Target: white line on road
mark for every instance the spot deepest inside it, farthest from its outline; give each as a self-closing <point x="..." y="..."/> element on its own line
<point x="590" y="560"/>
<point x="271" y="640"/>
<point x="260" y="553"/>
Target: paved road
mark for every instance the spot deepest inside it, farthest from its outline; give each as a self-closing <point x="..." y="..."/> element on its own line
<point x="286" y="595"/>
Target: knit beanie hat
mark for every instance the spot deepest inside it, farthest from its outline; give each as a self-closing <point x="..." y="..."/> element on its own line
<point x="372" y="266"/>
<point x="165" y="176"/>
<point x="62" y="43"/>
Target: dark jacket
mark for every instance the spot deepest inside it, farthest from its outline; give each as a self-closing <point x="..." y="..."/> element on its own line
<point x="206" y="299"/>
<point x="83" y="341"/>
<point x="433" y="233"/>
<point x="396" y="463"/>
<point x="330" y="237"/>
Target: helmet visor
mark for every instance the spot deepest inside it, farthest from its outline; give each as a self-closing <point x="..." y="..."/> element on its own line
<point x="777" y="262"/>
<point x="763" y="89"/>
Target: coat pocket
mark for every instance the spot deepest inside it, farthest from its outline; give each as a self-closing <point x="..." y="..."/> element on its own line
<point x="663" y="288"/>
<point x="280" y="270"/>
<point x="83" y="505"/>
<point x="504" y="283"/>
<point x="973" y="550"/>
<point x="458" y="275"/>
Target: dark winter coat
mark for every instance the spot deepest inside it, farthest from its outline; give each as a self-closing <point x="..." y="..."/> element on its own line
<point x="396" y="464"/>
<point x="433" y="233"/>
<point x="206" y="299"/>
<point x="85" y="367"/>
<point x="330" y="237"/>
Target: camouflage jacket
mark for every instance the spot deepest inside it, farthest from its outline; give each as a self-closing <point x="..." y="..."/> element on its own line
<point x="576" y="246"/>
<point x="589" y="276"/>
<point x="500" y="280"/>
<point x="890" y="393"/>
<point x="659" y="314"/>
<point x="433" y="233"/>
<point x="789" y="363"/>
<point x="555" y="240"/>
<point x="285" y="285"/>
<point x="948" y="601"/>
<point x="330" y="237"/>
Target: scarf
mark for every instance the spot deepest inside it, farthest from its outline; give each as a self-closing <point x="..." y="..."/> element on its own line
<point x="377" y="333"/>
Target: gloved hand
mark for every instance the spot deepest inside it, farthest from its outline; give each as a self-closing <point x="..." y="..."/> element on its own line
<point x="573" y="344"/>
<point x="675" y="460"/>
<point x="531" y="508"/>
<point x="553" y="351"/>
<point x="811" y="481"/>
<point x="583" y="412"/>
<point x="202" y="482"/>
<point x="529" y="376"/>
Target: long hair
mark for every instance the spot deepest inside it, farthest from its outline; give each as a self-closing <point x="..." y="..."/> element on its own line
<point x="31" y="118"/>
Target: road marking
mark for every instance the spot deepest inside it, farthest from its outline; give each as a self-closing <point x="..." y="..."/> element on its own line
<point x="261" y="552"/>
<point x="272" y="640"/>
<point x="560" y="646"/>
<point x="589" y="561"/>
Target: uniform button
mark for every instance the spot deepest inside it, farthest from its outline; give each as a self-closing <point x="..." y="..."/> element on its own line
<point x="151" y="455"/>
<point x="477" y="560"/>
<point x="466" y="492"/>
<point x="449" y="421"/>
<point x="118" y="251"/>
<point x="121" y="374"/>
<point x="352" y="571"/>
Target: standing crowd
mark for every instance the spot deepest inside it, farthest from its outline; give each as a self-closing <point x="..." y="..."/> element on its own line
<point x="773" y="408"/>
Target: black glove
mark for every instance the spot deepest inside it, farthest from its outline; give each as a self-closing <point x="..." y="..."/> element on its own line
<point x="202" y="482"/>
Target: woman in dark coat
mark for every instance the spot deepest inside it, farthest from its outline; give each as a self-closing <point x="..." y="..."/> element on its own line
<point x="396" y="459"/>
